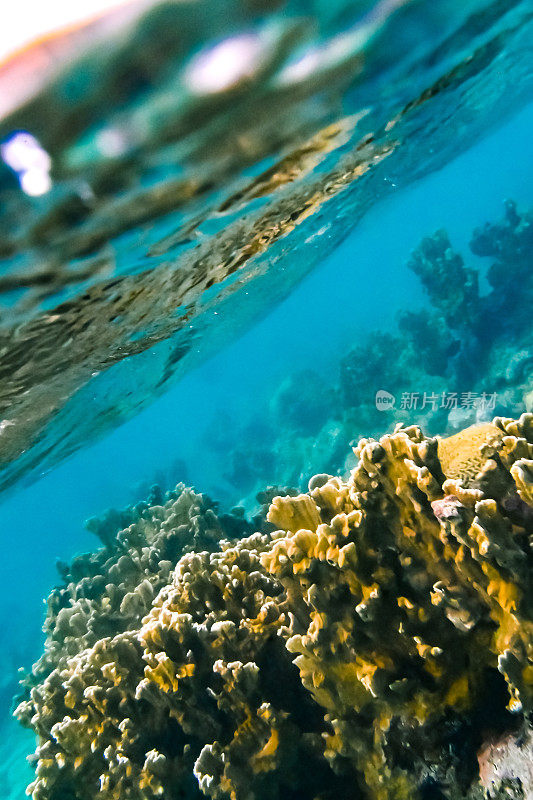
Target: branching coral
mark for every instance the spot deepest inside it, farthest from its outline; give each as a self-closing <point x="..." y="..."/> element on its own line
<point x="203" y="698"/>
<point x="108" y="592"/>
<point x="412" y="587"/>
<point x="361" y="650"/>
<point x="451" y="286"/>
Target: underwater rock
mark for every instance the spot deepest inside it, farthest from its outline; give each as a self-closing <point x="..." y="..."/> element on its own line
<point x="364" y="649"/>
<point x="506" y="767"/>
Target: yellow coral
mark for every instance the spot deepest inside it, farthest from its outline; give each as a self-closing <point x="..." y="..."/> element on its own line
<point x="355" y="635"/>
<point x="460" y="455"/>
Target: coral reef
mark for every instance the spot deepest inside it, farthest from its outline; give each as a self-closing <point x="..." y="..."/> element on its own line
<point x="451" y="287"/>
<point x="451" y="346"/>
<point x="412" y="588"/>
<point x="108" y="592"/>
<point x="459" y="361"/>
<point x="454" y="339"/>
<point x="365" y="648"/>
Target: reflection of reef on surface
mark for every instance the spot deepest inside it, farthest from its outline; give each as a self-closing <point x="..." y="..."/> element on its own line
<point x="373" y="646"/>
<point x="176" y="219"/>
<point x="470" y="352"/>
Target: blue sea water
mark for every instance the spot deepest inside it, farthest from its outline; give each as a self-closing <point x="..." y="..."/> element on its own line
<point x="364" y="282"/>
<point x="221" y="402"/>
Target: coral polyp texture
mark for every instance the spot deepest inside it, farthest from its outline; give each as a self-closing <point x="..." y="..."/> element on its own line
<point x="109" y="592"/>
<point x="370" y="647"/>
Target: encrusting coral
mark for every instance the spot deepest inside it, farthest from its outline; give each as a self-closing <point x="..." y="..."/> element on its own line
<point x="364" y="649"/>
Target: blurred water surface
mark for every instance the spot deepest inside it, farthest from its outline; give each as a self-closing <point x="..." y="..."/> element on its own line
<point x="200" y="167"/>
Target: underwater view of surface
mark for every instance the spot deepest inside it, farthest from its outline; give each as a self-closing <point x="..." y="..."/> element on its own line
<point x="266" y="405"/>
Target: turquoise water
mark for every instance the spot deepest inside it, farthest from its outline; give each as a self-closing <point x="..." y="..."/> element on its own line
<point x="251" y="398"/>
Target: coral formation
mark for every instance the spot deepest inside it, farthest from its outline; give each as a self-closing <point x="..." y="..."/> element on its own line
<point x="108" y="592"/>
<point x="451" y="346"/>
<point x="408" y="606"/>
<point x="460" y="455"/>
<point x="363" y="649"/>
<point x="451" y="287"/>
<point x="459" y="361"/>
